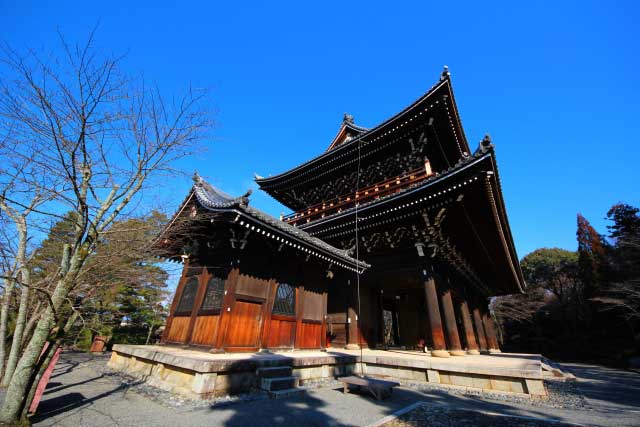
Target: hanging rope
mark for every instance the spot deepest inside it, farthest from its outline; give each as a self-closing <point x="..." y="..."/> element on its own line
<point x="358" y="261"/>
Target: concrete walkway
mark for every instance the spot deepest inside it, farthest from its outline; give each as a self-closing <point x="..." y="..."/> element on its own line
<point x="79" y="394"/>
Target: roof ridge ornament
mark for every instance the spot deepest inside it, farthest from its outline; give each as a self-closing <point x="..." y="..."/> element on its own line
<point x="257" y="177"/>
<point x="347" y="118"/>
<point x="244" y="199"/>
<point x="197" y="179"/>
<point x="445" y="73"/>
<point x="485" y="144"/>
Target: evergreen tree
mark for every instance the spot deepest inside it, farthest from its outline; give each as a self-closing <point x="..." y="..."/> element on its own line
<point x="591" y="256"/>
<point x="625" y="234"/>
<point x="120" y="286"/>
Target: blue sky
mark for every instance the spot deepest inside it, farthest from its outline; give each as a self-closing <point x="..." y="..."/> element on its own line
<point x="556" y="85"/>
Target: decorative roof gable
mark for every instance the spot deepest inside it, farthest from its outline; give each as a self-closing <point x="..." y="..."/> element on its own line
<point x="348" y="130"/>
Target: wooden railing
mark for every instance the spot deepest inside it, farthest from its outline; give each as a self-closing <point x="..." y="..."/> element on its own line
<point x="372" y="192"/>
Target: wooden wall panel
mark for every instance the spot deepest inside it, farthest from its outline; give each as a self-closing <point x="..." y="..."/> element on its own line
<point x="310" y="335"/>
<point x="243" y="333"/>
<point x="179" y="329"/>
<point x="281" y="333"/>
<point x="313" y="306"/>
<point x="253" y="287"/>
<point x="205" y="329"/>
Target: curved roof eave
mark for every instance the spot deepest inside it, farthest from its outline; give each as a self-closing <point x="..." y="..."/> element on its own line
<point x="338" y="149"/>
<point x="504" y="221"/>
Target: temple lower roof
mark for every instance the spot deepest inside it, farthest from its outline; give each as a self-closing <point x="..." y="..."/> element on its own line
<point x="214" y="199"/>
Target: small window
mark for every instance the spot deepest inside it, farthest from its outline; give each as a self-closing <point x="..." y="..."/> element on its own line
<point x="188" y="298"/>
<point x="285" y="300"/>
<point x="213" y="296"/>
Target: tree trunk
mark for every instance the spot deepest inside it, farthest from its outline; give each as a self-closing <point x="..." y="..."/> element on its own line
<point x="20" y="382"/>
<point x="149" y="334"/>
<point x="45" y="364"/>
<point x="4" y="318"/>
<point x="31" y="323"/>
<point x="23" y="375"/>
<point x="21" y="321"/>
<point x="44" y="361"/>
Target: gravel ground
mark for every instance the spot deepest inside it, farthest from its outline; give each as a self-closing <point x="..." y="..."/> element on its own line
<point x="427" y="415"/>
<point x="561" y="394"/>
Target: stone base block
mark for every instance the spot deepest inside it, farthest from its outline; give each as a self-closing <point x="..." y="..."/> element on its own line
<point x="473" y="352"/>
<point x="457" y="352"/>
<point x="201" y="377"/>
<point x="433" y="376"/>
<point x="535" y="387"/>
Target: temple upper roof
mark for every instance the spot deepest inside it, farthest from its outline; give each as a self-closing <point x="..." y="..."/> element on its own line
<point x="433" y="117"/>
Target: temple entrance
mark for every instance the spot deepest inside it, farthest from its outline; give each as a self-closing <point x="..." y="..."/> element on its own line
<point x="244" y="326"/>
<point x="401" y="319"/>
<point x="390" y="327"/>
<point x="390" y="335"/>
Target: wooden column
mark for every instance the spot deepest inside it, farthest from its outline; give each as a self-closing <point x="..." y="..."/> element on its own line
<point x="203" y="278"/>
<point x="435" y="321"/>
<point x="352" y="320"/>
<point x="455" y="349"/>
<point x="381" y="342"/>
<point x="299" y="310"/>
<point x="323" y="329"/>
<point x="467" y="324"/>
<point x="477" y="321"/>
<point x="490" y="330"/>
<point x="227" y="301"/>
<point x="174" y="303"/>
<point x="266" y="322"/>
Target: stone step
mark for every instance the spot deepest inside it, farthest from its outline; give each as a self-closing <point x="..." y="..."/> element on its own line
<point x="288" y="392"/>
<point x="279" y="383"/>
<point x="274" y="371"/>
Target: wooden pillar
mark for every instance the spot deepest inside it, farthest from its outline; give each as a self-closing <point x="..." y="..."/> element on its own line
<point x="490" y="330"/>
<point x="299" y="310"/>
<point x="381" y="342"/>
<point x="266" y="314"/>
<point x="203" y="279"/>
<point x="323" y="328"/>
<point x="455" y="349"/>
<point x="227" y="301"/>
<point x="352" y="319"/>
<point x="477" y="321"/>
<point x="174" y="303"/>
<point x="435" y="321"/>
<point x="467" y="324"/>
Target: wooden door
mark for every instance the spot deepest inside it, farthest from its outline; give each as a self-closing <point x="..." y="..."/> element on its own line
<point x="245" y="320"/>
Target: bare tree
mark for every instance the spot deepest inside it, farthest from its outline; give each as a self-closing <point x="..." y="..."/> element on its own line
<point x="102" y="137"/>
<point x="518" y="308"/>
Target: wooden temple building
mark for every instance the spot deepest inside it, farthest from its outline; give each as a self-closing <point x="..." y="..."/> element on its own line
<point x="399" y="236"/>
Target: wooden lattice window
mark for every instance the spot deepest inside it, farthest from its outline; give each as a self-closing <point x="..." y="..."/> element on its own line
<point x="284" y="303"/>
<point x="213" y="296"/>
<point x="188" y="298"/>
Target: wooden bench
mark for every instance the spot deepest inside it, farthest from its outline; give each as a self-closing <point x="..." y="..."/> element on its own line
<point x="380" y="389"/>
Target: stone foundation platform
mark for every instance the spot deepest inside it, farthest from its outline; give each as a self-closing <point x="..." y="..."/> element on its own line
<point x="202" y="375"/>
